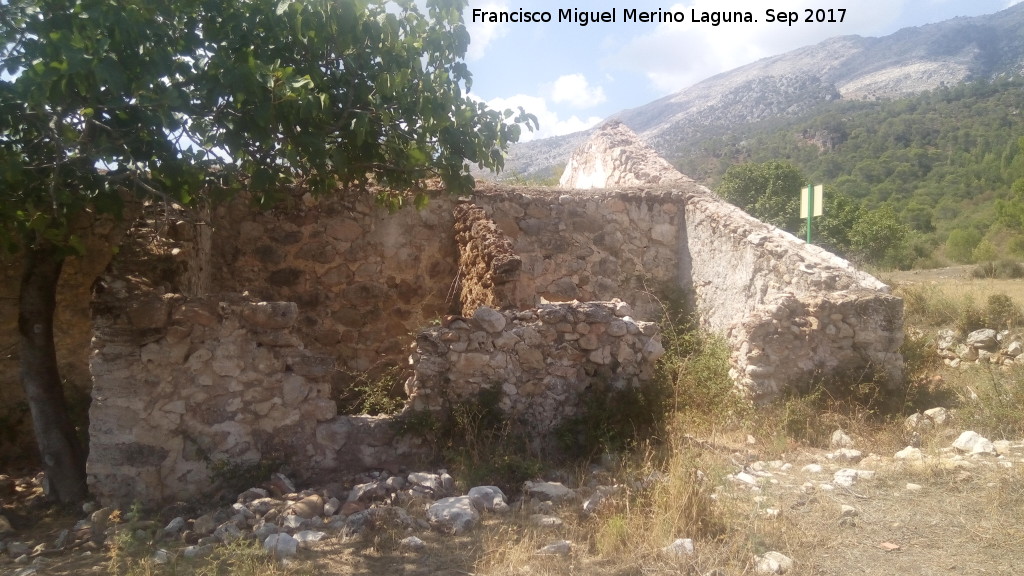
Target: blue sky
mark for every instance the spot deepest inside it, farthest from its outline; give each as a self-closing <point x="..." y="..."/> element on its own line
<point x="573" y="76"/>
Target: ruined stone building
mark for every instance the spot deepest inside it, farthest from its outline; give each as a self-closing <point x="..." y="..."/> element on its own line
<point x="228" y="336"/>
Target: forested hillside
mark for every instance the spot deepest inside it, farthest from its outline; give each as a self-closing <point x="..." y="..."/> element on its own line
<point x="943" y="161"/>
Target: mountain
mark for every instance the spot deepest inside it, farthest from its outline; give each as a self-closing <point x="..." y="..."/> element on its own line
<point x="910" y="61"/>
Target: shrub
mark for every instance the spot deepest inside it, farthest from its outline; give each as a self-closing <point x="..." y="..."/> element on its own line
<point x="1001" y="312"/>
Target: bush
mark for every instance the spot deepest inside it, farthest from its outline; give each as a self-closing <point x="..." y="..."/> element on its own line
<point x="1001" y="312"/>
<point x="961" y="244"/>
<point x="1008" y="269"/>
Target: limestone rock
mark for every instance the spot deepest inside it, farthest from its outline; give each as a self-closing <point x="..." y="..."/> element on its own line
<point x="560" y="548"/>
<point x="281" y="545"/>
<point x="489" y="498"/>
<point x="940" y="416"/>
<point x="909" y="453"/>
<point x="974" y="443"/>
<point x="841" y="439"/>
<point x="773" y="563"/>
<point x="984" y="339"/>
<point x="615" y="156"/>
<point x="848" y="476"/>
<point x="307" y="538"/>
<point x="455" y="514"/>
<point x="679" y="548"/>
<point x="308" y="507"/>
<point x="489" y="319"/>
<point x="412" y="543"/>
<point x="548" y="491"/>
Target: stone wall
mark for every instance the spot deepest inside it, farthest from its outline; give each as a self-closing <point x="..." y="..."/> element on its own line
<point x="791" y="312"/>
<point x="540" y="362"/>
<point x="236" y="349"/>
<point x="185" y="385"/>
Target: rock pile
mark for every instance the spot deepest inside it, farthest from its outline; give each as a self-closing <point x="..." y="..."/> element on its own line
<point x="984" y="346"/>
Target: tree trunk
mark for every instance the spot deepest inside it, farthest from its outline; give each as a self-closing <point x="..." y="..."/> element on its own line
<point x="60" y="451"/>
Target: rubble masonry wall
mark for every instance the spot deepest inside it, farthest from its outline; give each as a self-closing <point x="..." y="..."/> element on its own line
<point x="293" y="302"/>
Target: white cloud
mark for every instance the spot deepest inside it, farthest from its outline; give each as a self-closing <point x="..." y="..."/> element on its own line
<point x="550" y="123"/>
<point x="676" y="55"/>
<point x="481" y="34"/>
<point x="574" y="89"/>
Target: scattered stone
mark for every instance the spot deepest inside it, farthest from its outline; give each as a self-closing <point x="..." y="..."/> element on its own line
<point x="331" y="507"/>
<point x="281" y="545"/>
<point x="973" y="443"/>
<point x="545" y="521"/>
<point x="18" y="549"/>
<point x="940" y="416"/>
<point x="307" y="538"/>
<point x="913" y="487"/>
<point x="847" y="455"/>
<point x="1015" y="349"/>
<point x="889" y="546"/>
<point x="430" y="482"/>
<point x="984" y="339"/>
<point x="281" y="485"/>
<point x="773" y="563"/>
<point x="745" y="478"/>
<point x="841" y="439"/>
<point x="489" y="498"/>
<point x="205" y="524"/>
<point x="196" y="551"/>
<point x="560" y="548"/>
<point x="367" y="492"/>
<point x="227" y="533"/>
<point x="679" y="548"/>
<point x="549" y="491"/>
<point x="5" y="526"/>
<point x="811" y="469"/>
<point x="848" y="476"/>
<point x="847" y="511"/>
<point x="161" y="557"/>
<point x="910" y="454"/>
<point x="293" y="522"/>
<point x="412" y="543"/>
<point x="308" y="507"/>
<point x="175" y="526"/>
<point x="456" y="514"/>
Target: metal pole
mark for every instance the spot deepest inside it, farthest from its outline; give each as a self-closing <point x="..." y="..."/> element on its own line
<point x="810" y="210"/>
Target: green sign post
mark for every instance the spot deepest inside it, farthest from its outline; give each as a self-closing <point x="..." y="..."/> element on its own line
<point x="811" y="202"/>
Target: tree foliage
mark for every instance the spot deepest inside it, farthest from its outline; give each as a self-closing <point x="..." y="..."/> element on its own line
<point x="107" y="100"/>
<point x="770" y="191"/>
<point x="943" y="160"/>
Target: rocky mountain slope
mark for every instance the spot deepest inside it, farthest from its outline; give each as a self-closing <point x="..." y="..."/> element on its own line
<point x="909" y="61"/>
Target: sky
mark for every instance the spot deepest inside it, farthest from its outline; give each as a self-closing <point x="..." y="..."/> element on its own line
<point x="572" y="76"/>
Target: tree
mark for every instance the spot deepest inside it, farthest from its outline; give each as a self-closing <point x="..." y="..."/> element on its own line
<point x="769" y="192"/>
<point x="105" y="101"/>
<point x="880" y="237"/>
<point x="961" y="244"/>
